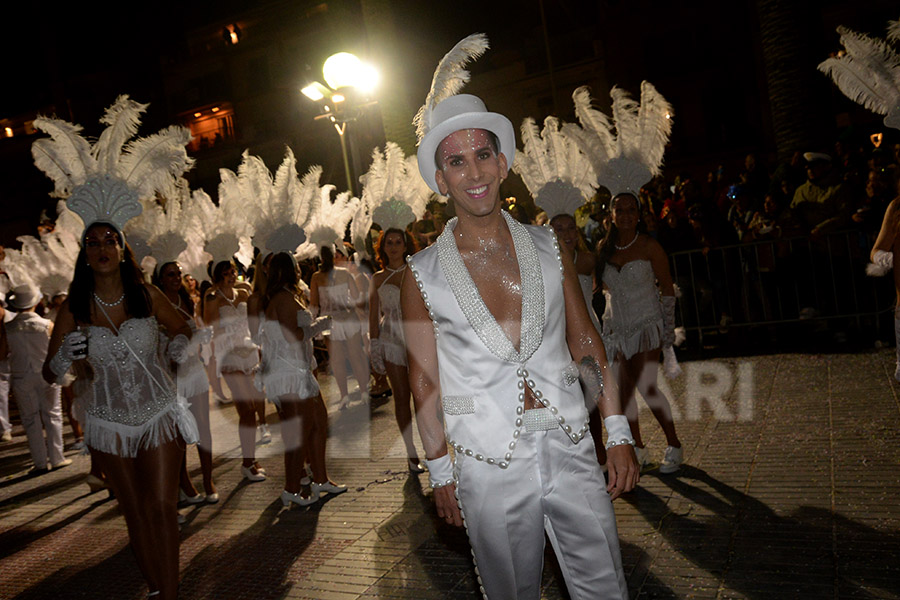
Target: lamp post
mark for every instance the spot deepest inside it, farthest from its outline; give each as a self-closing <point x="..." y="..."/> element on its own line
<point x="350" y="81"/>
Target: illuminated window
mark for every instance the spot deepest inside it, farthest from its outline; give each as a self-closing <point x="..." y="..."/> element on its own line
<point x="8" y="131"/>
<point x="210" y="126"/>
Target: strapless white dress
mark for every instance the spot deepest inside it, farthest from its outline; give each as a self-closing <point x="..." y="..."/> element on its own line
<point x="632" y="321"/>
<point x="391" y="326"/>
<point x="287" y="365"/>
<point x="234" y="349"/>
<point x="131" y="403"/>
<point x="334" y="300"/>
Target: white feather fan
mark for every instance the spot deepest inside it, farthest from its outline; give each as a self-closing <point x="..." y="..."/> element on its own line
<point x="868" y="73"/>
<point x="627" y="151"/>
<point x="558" y="175"/>
<point x="393" y="190"/>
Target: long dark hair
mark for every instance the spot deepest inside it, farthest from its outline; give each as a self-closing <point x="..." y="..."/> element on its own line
<point x="411" y="247"/>
<point x="81" y="291"/>
<point x="606" y="247"/>
<point x="282" y="275"/>
<point x="186" y="300"/>
<point x="327" y="256"/>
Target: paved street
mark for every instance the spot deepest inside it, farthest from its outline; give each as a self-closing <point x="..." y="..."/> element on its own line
<point x="790" y="490"/>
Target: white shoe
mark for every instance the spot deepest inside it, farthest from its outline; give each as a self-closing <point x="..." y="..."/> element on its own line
<point x="6" y="436"/>
<point x="331" y="488"/>
<point x="287" y="498"/>
<point x="672" y="460"/>
<point x="196" y="499"/>
<point x="265" y="436"/>
<point x="253" y="473"/>
<point x="79" y="445"/>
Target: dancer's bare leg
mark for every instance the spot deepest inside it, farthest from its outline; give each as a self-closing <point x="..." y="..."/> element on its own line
<point x="200" y="410"/>
<point x="648" y="363"/>
<point x="398" y="375"/>
<point x="337" y="355"/>
<point x="146" y="488"/>
<point x="291" y="434"/>
<point x="242" y="388"/>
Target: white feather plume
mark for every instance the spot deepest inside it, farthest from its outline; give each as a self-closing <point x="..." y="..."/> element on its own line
<point x="559" y="176"/>
<point x="893" y="31"/>
<point x="330" y="223"/>
<point x="627" y="151"/>
<point x="393" y="191"/>
<point x="868" y="73"/>
<point x="47" y="263"/>
<point x="278" y="200"/>
<point x="94" y="177"/>
<point x="449" y="77"/>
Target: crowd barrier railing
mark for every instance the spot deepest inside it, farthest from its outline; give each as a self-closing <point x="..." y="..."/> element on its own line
<point x="778" y="281"/>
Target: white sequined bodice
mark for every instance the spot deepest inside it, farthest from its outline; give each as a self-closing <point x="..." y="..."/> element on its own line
<point x="232" y="330"/>
<point x="124" y="390"/>
<point x="281" y="354"/>
<point x="632" y="298"/>
<point x="334" y="299"/>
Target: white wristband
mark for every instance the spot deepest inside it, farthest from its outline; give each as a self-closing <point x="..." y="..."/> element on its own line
<point x="440" y="471"/>
<point x="618" y="431"/>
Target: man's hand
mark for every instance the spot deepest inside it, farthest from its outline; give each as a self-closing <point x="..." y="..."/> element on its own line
<point x="447" y="506"/>
<point x="623" y="470"/>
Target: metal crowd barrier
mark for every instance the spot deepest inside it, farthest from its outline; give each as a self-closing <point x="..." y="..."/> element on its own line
<point x="779" y="281"/>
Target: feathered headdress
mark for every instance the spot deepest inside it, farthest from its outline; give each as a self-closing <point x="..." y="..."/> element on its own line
<point x="558" y="175"/>
<point x="446" y="110"/>
<point x="228" y="234"/>
<point x="325" y="221"/>
<point x="869" y="72"/>
<point x="47" y="263"/>
<point x="627" y="152"/>
<point x="277" y="225"/>
<point x="393" y="189"/>
<point x="105" y="182"/>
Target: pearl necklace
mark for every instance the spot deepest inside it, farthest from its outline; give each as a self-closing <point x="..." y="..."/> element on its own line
<point x="628" y="245"/>
<point x="109" y="304"/>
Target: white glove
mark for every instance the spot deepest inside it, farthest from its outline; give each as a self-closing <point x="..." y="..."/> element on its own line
<point x="668" y="311"/>
<point x="204" y="335"/>
<point x="73" y="347"/>
<point x="883" y="259"/>
<point x="319" y="326"/>
<point x="178" y="349"/>
<point x="376" y="355"/>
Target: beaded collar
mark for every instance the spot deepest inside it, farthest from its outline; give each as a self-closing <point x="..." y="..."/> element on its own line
<point x="473" y="307"/>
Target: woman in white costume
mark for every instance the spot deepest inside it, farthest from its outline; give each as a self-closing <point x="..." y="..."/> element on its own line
<point x="192" y="381"/>
<point x="639" y="320"/>
<point x="286" y="332"/>
<point x="134" y="423"/>
<point x="108" y="329"/>
<point x="333" y="292"/>
<point x="237" y="357"/>
<point x="386" y="330"/>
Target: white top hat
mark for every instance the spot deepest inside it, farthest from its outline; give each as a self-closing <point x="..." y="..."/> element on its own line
<point x="462" y="111"/>
<point x="24" y="296"/>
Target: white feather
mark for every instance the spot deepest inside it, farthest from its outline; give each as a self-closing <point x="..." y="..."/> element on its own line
<point x="449" y="77"/>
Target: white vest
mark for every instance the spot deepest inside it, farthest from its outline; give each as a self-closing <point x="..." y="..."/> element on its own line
<point x="482" y="376"/>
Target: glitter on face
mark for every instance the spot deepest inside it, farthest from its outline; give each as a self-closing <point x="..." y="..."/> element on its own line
<point x="463" y="142"/>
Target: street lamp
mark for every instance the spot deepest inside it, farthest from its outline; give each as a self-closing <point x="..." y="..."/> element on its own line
<point x="350" y="81"/>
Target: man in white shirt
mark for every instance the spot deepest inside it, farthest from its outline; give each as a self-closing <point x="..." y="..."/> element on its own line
<point x="28" y="336"/>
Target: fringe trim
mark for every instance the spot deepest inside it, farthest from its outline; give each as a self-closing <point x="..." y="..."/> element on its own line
<point x="128" y="440"/>
<point x="192" y="380"/>
<point x="300" y="383"/>
<point x="647" y="338"/>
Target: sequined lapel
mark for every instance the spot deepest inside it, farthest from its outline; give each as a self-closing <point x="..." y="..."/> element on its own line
<point x="473" y="306"/>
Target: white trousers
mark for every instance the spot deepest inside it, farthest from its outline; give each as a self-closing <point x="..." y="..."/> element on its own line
<point x="41" y="411"/>
<point x="552" y="486"/>
<point x="4" y="402"/>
